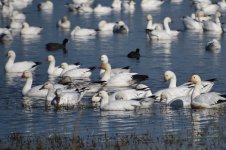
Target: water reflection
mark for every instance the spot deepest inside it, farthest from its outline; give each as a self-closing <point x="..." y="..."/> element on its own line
<point x="30" y="39"/>
<point x="12" y="79"/>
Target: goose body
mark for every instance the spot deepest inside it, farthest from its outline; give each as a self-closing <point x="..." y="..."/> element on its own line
<point x="105" y="26"/>
<point x="99" y="9"/>
<point x="213" y="26"/>
<point x="18" y="67"/>
<point x="47" y="5"/>
<point x="79" y="72"/>
<point x="192" y="24"/>
<point x="64" y="23"/>
<point x="52" y="69"/>
<point x="77" y="31"/>
<point x="30" y="30"/>
<point x="120" y="27"/>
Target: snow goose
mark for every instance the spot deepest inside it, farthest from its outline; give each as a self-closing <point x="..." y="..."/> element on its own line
<point x="116" y="4"/>
<point x="214" y="45"/>
<point x="81" y="8"/>
<point x="87" y="2"/>
<point x="30" y="30"/>
<point x="151" y="4"/>
<point x="30" y="91"/>
<point x="18" y="67"/>
<point x="121" y="105"/>
<point x="122" y="79"/>
<point x="134" y="54"/>
<point x="151" y="25"/>
<point x="52" y="69"/>
<point x="17" y="16"/>
<point x="47" y="5"/>
<point x="77" y="31"/>
<point x="64" y="23"/>
<point x="182" y="90"/>
<point x="114" y="71"/>
<point x="67" y="67"/>
<point x="166" y="22"/>
<point x="79" y="72"/>
<point x="105" y="26"/>
<point x="208" y="9"/>
<point x="51" y="91"/>
<point x="139" y="92"/>
<point x="213" y="26"/>
<point x="99" y="9"/>
<point x="207" y="100"/>
<point x="120" y="27"/>
<point x="56" y="46"/>
<point x="222" y="5"/>
<point x="15" y="24"/>
<point x="7" y="9"/>
<point x="67" y="98"/>
<point x="191" y="23"/>
<point x="129" y="6"/>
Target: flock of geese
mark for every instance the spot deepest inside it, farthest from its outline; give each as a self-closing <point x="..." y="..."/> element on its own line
<point x="117" y="89"/>
<point x="73" y="81"/>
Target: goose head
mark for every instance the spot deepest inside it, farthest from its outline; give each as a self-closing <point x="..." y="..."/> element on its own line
<point x="103" y="94"/>
<point x="51" y="58"/>
<point x="64" y="19"/>
<point x="77" y="28"/>
<point x="218" y="14"/>
<point x="167" y="19"/>
<point x="64" y="65"/>
<point x="196" y="79"/>
<point x="104" y="58"/>
<point x="47" y="85"/>
<point x="168" y="75"/>
<point x="25" y="25"/>
<point x="26" y="74"/>
<point x="11" y="53"/>
<point x="149" y="17"/>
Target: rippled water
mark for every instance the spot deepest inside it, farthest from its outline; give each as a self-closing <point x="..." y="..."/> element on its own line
<point x="185" y="55"/>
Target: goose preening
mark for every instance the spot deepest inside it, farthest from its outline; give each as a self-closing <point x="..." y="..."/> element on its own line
<point x="114" y="71"/>
<point x="134" y="54"/>
<point x="47" y="5"/>
<point x="122" y="79"/>
<point x="121" y="105"/>
<point x="120" y="27"/>
<point x="213" y="46"/>
<point x="30" y="30"/>
<point x="18" y="67"/>
<point x="68" y="98"/>
<point x="206" y="100"/>
<point x="64" y="23"/>
<point x="77" y="31"/>
<point x="56" y="46"/>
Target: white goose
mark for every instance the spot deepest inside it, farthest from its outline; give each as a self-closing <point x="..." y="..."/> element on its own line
<point x="79" y="72"/>
<point x="165" y="34"/>
<point x="192" y="23"/>
<point x="120" y="105"/>
<point x="207" y="100"/>
<point x="51" y="91"/>
<point x="67" y="98"/>
<point x="30" y="91"/>
<point x="114" y="71"/>
<point x="67" y="67"/>
<point x="30" y="30"/>
<point x="214" y="45"/>
<point x="116" y="4"/>
<point x="64" y="23"/>
<point x="17" y="16"/>
<point x="15" y="24"/>
<point x="129" y="6"/>
<point x="140" y="91"/>
<point x="77" y="31"/>
<point x="52" y="69"/>
<point x="47" y="5"/>
<point x="213" y="26"/>
<point x="183" y="90"/>
<point x="120" y="27"/>
<point x="122" y="79"/>
<point x="99" y="9"/>
<point x="151" y="25"/>
<point x="18" y="67"/>
<point x="106" y="26"/>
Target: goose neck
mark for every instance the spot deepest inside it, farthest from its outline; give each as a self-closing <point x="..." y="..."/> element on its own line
<point x="51" y="67"/>
<point x="173" y="82"/>
<point x="166" y="25"/>
<point x="27" y="86"/>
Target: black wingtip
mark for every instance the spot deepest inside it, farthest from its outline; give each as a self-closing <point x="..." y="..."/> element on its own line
<point x="38" y="63"/>
<point x="92" y="68"/>
<point x="126" y="67"/>
<point x="212" y="80"/>
<point x="97" y="30"/>
<point x="77" y="63"/>
<point x="139" y="77"/>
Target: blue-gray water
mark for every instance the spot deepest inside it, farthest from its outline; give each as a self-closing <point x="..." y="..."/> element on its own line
<point x="185" y="55"/>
